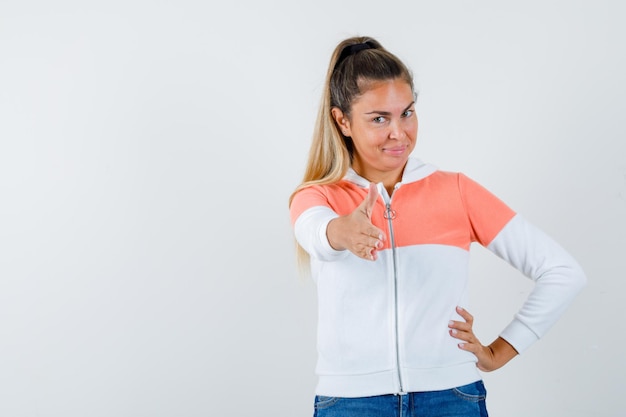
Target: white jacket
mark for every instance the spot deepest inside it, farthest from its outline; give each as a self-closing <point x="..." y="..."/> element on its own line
<point x="383" y="325"/>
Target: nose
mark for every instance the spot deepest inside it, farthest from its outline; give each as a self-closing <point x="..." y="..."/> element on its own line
<point x="396" y="130"/>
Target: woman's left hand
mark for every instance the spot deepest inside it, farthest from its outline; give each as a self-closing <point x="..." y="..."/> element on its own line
<point x="489" y="357"/>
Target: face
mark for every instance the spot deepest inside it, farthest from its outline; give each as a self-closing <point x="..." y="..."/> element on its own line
<point x="383" y="128"/>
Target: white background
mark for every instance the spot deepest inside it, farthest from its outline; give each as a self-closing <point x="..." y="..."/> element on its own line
<point x="148" y="150"/>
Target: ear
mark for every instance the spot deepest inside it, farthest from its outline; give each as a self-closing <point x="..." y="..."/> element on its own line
<point x="342" y="121"/>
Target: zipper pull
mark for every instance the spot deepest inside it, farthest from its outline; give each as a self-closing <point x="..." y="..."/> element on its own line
<point x="389" y="213"/>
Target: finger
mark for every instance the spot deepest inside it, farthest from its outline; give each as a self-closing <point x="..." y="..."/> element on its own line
<point x="375" y="240"/>
<point x="369" y="249"/>
<point x="373" y="232"/>
<point x="467" y="340"/>
<point x="460" y="326"/>
<point x="465" y="314"/>
<point x="370" y="200"/>
<point x="475" y="348"/>
<point x="463" y="336"/>
<point x="369" y="254"/>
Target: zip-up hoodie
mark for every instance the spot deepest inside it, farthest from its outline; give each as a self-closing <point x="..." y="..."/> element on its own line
<point x="383" y="325"/>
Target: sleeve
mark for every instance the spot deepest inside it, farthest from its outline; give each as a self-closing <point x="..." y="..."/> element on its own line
<point x="558" y="277"/>
<point x="310" y="214"/>
<point x="486" y="213"/>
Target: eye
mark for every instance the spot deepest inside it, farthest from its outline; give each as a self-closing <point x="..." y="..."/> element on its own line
<point x="408" y="113"/>
<point x="379" y="119"/>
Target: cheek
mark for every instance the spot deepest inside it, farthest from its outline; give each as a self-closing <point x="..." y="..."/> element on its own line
<point x="412" y="128"/>
<point x="374" y="140"/>
<point x="365" y="138"/>
<point x="412" y="125"/>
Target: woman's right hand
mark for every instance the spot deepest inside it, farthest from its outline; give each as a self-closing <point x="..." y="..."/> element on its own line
<point x="355" y="231"/>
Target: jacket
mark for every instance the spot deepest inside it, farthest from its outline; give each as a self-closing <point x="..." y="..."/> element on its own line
<point x="383" y="325"/>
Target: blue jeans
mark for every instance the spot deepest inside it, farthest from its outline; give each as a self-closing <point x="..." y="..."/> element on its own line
<point x="465" y="401"/>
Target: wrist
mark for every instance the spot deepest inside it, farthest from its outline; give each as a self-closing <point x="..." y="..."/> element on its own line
<point x="502" y="352"/>
<point x="333" y="235"/>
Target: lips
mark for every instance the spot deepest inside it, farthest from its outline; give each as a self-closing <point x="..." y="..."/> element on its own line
<point x="395" y="150"/>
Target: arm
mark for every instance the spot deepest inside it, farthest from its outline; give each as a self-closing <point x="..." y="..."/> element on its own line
<point x="558" y="277"/>
<point x="355" y="231"/>
<point x="328" y="236"/>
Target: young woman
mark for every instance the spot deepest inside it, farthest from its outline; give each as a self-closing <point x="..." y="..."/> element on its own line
<point x="387" y="240"/>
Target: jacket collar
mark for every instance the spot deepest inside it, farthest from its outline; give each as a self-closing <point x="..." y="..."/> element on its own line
<point x="414" y="170"/>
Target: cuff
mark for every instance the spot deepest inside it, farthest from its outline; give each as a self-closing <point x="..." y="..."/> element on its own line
<point x="519" y="336"/>
<point x="323" y="239"/>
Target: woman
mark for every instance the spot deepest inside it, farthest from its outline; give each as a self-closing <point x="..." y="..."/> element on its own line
<point x="388" y="239"/>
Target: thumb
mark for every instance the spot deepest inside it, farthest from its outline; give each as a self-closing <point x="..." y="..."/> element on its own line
<point x="370" y="200"/>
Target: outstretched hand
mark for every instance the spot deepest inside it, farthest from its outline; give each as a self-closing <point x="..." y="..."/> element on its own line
<point x="355" y="231"/>
<point x="489" y="357"/>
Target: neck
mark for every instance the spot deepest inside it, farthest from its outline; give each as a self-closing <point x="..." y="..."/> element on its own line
<point x="388" y="178"/>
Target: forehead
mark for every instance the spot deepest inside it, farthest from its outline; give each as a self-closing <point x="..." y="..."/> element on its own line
<point x="387" y="94"/>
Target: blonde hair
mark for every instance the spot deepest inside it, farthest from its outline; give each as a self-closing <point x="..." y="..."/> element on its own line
<point x="355" y="63"/>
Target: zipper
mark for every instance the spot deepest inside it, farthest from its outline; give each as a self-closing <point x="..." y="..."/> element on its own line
<point x="390" y="214"/>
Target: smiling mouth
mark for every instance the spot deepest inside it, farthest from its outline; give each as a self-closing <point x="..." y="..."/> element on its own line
<point x="396" y="150"/>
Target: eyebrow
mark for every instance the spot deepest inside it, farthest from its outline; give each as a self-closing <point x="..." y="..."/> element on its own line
<point x="386" y="113"/>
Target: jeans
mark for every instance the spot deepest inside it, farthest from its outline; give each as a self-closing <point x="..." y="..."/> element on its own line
<point x="465" y="401"/>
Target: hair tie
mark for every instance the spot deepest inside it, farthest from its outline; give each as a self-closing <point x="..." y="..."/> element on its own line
<point x="351" y="50"/>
